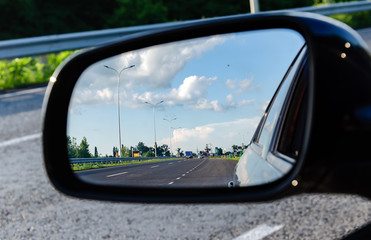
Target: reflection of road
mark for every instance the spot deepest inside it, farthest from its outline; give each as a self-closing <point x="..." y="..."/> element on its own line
<point x="183" y="172"/>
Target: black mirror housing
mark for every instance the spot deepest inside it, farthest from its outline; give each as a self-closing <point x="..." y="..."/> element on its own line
<point x="337" y="131"/>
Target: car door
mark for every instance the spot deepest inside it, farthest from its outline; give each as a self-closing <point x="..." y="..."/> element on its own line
<point x="267" y="159"/>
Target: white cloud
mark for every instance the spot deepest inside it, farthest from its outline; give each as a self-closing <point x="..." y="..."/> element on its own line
<point x="191" y="92"/>
<point x="223" y="134"/>
<point x="201" y="132"/>
<point x="92" y="96"/>
<point x="192" y="88"/>
<point x="155" y="67"/>
<point x="231" y="84"/>
<point x="231" y="103"/>
<point x="244" y="84"/>
<point x="239" y="86"/>
<point x="204" y="104"/>
<point x="246" y="102"/>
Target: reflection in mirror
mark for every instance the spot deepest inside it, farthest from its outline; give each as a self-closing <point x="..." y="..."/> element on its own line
<point x="179" y="114"/>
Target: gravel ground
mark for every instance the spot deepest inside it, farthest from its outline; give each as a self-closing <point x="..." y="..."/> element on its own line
<point x="32" y="209"/>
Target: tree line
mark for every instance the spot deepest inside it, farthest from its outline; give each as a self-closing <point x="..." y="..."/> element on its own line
<point x="81" y="150"/>
<point x="27" y="18"/>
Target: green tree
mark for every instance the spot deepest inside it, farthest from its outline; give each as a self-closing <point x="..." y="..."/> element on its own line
<point x="37" y="17"/>
<point x="139" y="12"/>
<point x="142" y="148"/>
<point x="96" y="152"/>
<point x="266" y="5"/>
<point x="219" y="151"/>
<point x="196" y="9"/>
<point x="83" y="151"/>
<point x="235" y="148"/>
<point x="72" y="147"/>
<point x="148" y="154"/>
<point x="125" y="151"/>
<point x="163" y="150"/>
<point x="180" y="152"/>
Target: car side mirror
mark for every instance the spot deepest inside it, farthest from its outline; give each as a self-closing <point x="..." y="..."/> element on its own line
<point x="240" y="108"/>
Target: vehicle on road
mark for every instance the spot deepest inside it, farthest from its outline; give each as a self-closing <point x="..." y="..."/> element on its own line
<point x="188" y="154"/>
<point x="313" y="136"/>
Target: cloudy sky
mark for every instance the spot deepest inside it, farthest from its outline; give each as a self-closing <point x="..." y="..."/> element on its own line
<point x="210" y="90"/>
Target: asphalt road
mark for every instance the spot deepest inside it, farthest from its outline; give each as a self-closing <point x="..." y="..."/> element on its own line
<point x="31" y="209"/>
<point x="175" y="173"/>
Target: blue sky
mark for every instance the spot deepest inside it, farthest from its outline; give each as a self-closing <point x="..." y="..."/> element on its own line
<point x="216" y="87"/>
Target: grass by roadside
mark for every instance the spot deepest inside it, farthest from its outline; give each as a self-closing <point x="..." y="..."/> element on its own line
<point x="87" y="166"/>
<point x="234" y="158"/>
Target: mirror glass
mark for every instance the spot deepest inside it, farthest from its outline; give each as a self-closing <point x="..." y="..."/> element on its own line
<point x="182" y="112"/>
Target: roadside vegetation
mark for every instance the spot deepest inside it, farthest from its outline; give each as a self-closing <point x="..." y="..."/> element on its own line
<point x="88" y="166"/>
<point x="82" y="150"/>
<point x="21" y="72"/>
<point x="227" y="157"/>
<point x="355" y="20"/>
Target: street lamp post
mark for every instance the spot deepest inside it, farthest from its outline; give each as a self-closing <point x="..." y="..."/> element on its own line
<point x="154" y="121"/>
<point x="118" y="99"/>
<point x="254" y="6"/>
<point x="170" y="120"/>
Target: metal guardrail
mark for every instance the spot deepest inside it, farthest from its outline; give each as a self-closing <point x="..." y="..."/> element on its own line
<point x="337" y="8"/>
<point x="112" y="160"/>
<point x="69" y="41"/>
<point x="56" y="43"/>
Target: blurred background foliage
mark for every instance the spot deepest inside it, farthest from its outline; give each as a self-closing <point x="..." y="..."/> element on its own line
<point x="29" y="18"/>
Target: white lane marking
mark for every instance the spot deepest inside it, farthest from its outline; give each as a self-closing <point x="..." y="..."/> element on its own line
<point x="170" y="163"/>
<point x="155" y="166"/>
<point x="15" y="141"/>
<point x="171" y="183"/>
<point x="116" y="174"/>
<point x="183" y="175"/>
<point x="259" y="232"/>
